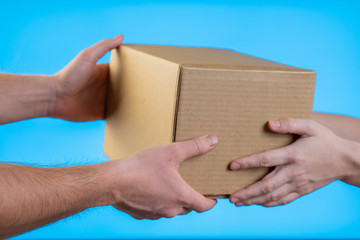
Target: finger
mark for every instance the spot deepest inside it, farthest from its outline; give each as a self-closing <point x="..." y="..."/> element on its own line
<point x="275" y="195"/>
<point x="272" y="173"/>
<point x="192" y="199"/>
<point x="293" y="125"/>
<point x="184" y="210"/>
<point x="192" y="148"/>
<point x="269" y="158"/>
<point x="95" y="52"/>
<point x="285" y="200"/>
<point x="201" y="204"/>
<point x="262" y="187"/>
<point x="233" y="199"/>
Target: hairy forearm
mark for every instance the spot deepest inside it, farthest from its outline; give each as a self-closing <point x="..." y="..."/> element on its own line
<point x="31" y="197"/>
<point x="25" y="96"/>
<point x="345" y="127"/>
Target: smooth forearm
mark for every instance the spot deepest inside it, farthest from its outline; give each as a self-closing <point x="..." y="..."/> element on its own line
<point x="25" y="96"/>
<point x="351" y="158"/>
<point x="345" y="127"/>
<point x="31" y="197"/>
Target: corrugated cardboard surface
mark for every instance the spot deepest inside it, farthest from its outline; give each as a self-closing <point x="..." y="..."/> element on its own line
<point x="216" y="92"/>
<point x="235" y="105"/>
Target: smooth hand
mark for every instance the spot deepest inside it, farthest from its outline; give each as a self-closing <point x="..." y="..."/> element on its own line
<point x="80" y="87"/>
<point x="315" y="159"/>
<point x="148" y="184"/>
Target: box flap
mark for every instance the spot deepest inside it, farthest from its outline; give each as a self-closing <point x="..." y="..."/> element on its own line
<point x="141" y="102"/>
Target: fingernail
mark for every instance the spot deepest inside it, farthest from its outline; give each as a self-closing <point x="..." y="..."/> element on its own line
<point x="212" y="140"/>
<point x="235" y="166"/>
<point x="234" y="200"/>
<point x="274" y="124"/>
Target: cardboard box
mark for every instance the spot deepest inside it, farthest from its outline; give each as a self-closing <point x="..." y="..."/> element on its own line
<point x="161" y="94"/>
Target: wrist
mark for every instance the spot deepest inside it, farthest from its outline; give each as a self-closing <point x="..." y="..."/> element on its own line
<point x="94" y="184"/>
<point x="351" y="159"/>
<point x="113" y="173"/>
<point x="26" y="96"/>
<point x="38" y="95"/>
<point x="53" y="104"/>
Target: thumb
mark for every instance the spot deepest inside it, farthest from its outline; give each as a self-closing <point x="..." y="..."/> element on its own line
<point x="193" y="147"/>
<point x="295" y="126"/>
<point x="201" y="203"/>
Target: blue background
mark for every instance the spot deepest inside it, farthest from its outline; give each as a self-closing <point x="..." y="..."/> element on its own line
<point x="41" y="37"/>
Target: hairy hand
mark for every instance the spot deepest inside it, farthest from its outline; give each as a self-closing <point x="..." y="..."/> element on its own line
<point x="315" y="159"/>
<point x="80" y="87"/>
<point x="148" y="184"/>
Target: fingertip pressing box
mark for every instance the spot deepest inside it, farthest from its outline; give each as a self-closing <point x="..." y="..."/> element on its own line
<point x="163" y="94"/>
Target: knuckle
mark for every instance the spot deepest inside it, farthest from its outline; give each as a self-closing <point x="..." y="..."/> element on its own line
<point x="290" y="198"/>
<point x="243" y="195"/>
<point x="87" y="54"/>
<point x="295" y="157"/>
<point x="291" y="154"/>
<point x="84" y="53"/>
<point x="291" y="123"/>
<point x="304" y="190"/>
<point x="265" y="160"/>
<point x="243" y="163"/>
<point x="272" y="197"/>
<point x="268" y="188"/>
<point x="197" y="145"/>
<point x="298" y="173"/>
<point x="248" y="202"/>
<point x="285" y="201"/>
